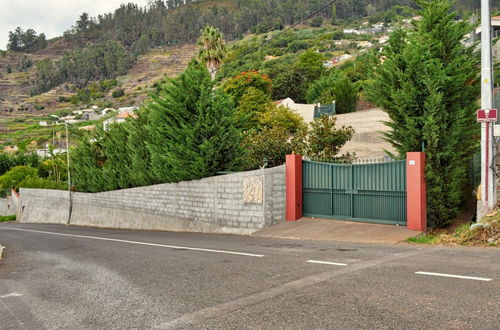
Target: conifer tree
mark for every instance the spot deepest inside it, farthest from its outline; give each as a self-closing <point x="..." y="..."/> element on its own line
<point x="428" y="84"/>
<point x="192" y="129"/>
<point x="139" y="172"/>
<point x="118" y="162"/>
<point x="86" y="161"/>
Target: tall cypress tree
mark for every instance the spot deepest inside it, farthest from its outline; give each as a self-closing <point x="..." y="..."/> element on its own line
<point x="118" y="162"/>
<point x="139" y="172"/>
<point x="86" y="165"/>
<point x="192" y="132"/>
<point x="428" y="84"/>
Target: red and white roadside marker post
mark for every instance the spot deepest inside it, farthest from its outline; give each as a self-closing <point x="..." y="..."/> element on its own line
<point x="487" y="118"/>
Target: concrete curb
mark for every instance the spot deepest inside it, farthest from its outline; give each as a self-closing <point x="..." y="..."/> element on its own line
<point x="1" y="251"/>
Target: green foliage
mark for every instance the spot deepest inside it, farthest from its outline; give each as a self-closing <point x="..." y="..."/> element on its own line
<point x="422" y="239"/>
<point x="186" y="131"/>
<point x="334" y="86"/>
<point x="7" y="218"/>
<point x="266" y="26"/>
<point x="24" y="64"/>
<point x="193" y="134"/>
<point x="8" y="161"/>
<point x="118" y="93"/>
<point x="280" y="116"/>
<point x="294" y="81"/>
<point x="93" y="91"/>
<point x="103" y="60"/>
<point x="428" y="84"/>
<point x="267" y="147"/>
<point x="16" y="175"/>
<point x="316" y="21"/>
<point x="238" y="86"/>
<point x="42" y="183"/>
<point x="54" y="167"/>
<point x="86" y="164"/>
<point x="253" y="103"/>
<point x="27" y="170"/>
<point x="26" y="41"/>
<point x="324" y="141"/>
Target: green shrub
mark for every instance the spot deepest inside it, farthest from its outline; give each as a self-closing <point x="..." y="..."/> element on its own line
<point x="316" y="21"/>
<point x="16" y="175"/>
<point x="118" y="93"/>
<point x="7" y="218"/>
<point x="42" y="183"/>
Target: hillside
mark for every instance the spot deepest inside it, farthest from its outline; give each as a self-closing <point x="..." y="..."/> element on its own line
<point x="163" y="24"/>
<point x="158" y="41"/>
<point x="21" y="113"/>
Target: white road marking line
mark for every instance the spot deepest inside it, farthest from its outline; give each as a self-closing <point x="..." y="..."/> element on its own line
<point x="455" y="276"/>
<point x="326" y="263"/>
<point x="141" y="243"/>
<point x="13" y="294"/>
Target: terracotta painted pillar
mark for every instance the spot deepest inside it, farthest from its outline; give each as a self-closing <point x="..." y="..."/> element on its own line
<point x="416" y="191"/>
<point x="293" y="187"/>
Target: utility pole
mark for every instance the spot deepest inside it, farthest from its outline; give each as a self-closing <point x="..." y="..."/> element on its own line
<point x="488" y="180"/>
<point x="69" y="174"/>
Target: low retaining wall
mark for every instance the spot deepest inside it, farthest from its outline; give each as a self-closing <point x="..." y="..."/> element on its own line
<point x="239" y="203"/>
<point x="7" y="207"/>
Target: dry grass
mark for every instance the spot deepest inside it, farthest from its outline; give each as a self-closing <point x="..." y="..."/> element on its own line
<point x="485" y="233"/>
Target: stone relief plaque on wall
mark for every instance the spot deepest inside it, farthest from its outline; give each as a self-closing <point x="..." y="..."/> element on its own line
<point x="253" y="190"/>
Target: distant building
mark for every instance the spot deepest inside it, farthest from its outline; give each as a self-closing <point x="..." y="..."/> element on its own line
<point x="45" y="152"/>
<point x="43" y="123"/>
<point x="307" y="111"/>
<point x="90" y="116"/>
<point x="118" y="119"/>
<point x="495" y="32"/>
<point x="365" y="44"/>
<point x="106" y="111"/>
<point x="127" y="109"/>
<point x="68" y="119"/>
<point x="87" y="128"/>
<point x="351" y="31"/>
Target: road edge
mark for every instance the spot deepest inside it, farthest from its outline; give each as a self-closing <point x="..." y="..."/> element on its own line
<point x="1" y="251"/>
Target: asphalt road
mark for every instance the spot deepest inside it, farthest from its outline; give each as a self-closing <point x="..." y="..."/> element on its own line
<point x="58" y="277"/>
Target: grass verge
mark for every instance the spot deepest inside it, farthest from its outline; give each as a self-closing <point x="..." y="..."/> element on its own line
<point x="7" y="218"/>
<point x="484" y="233"/>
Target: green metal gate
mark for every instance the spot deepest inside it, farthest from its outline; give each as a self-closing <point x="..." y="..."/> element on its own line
<point x="357" y="192"/>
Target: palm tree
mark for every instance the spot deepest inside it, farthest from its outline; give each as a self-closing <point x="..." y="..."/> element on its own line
<point x="212" y="48"/>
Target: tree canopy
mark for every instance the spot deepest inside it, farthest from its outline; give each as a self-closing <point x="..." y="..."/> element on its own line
<point x="428" y="84"/>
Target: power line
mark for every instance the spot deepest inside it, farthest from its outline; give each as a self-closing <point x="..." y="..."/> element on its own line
<point x="275" y="36"/>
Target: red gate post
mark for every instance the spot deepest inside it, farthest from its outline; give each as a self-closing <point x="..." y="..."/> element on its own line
<point x="416" y="191"/>
<point x="293" y="187"/>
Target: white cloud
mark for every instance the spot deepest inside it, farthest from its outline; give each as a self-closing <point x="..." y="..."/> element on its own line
<point x="51" y="17"/>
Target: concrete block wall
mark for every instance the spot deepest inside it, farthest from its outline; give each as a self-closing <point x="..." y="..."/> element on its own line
<point x="7" y="207"/>
<point x="213" y="204"/>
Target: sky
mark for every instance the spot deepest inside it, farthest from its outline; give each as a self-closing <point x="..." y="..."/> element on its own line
<point x="51" y="17"/>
